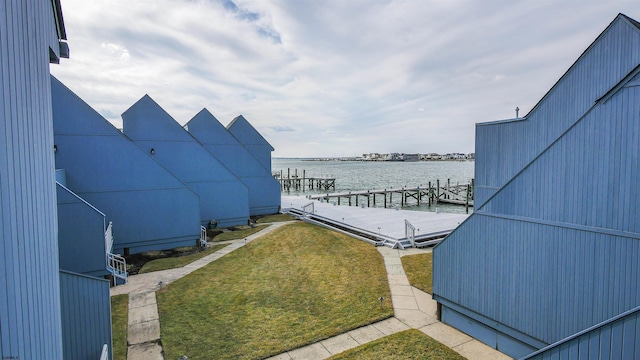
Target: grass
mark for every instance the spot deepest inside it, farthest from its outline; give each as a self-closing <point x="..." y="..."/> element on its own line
<point x="409" y="344"/>
<point x="275" y="218"/>
<point x="119" y="320"/>
<point x="177" y="261"/>
<point x="239" y="233"/>
<point x="419" y="271"/>
<point x="296" y="285"/>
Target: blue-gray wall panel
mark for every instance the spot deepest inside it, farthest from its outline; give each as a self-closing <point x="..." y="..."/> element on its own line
<point x="80" y="235"/>
<point x="502" y="149"/>
<point x="545" y="281"/>
<point x="223" y="196"/>
<point x="86" y="314"/>
<point x="30" y="324"/>
<point x="251" y="139"/>
<point x="150" y="208"/>
<point x="264" y="190"/>
<point x="615" y="340"/>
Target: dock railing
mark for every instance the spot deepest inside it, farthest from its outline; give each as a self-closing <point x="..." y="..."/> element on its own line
<point x="410" y="232"/>
<point x="305" y="208"/>
<point x="116" y="264"/>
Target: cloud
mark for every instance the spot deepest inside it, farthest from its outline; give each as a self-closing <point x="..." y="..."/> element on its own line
<point x="333" y="68"/>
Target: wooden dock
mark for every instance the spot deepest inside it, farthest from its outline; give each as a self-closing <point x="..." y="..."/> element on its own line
<point x="301" y="183"/>
<point x="458" y="194"/>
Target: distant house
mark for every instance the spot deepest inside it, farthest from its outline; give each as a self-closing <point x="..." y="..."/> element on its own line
<point x="264" y="190"/>
<point x="224" y="199"/>
<point x="550" y="258"/>
<point x="52" y="304"/>
<point x="150" y="208"/>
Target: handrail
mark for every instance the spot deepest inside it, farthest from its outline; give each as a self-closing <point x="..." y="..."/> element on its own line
<point x="108" y="238"/>
<point x="203" y="236"/>
<point x="410" y="232"/>
<point x="104" y="354"/>
<point x="304" y="209"/>
<point x="117" y="265"/>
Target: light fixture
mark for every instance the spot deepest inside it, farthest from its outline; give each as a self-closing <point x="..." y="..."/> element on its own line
<point x="153" y="151"/>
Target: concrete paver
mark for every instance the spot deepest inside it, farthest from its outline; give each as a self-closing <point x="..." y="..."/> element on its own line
<point x="390" y="326"/>
<point x="446" y="334"/>
<point x="141" y="333"/>
<point x="146" y="351"/>
<point x="313" y="351"/>
<point x="340" y="343"/>
<point x="365" y="334"/>
<point x="476" y="350"/>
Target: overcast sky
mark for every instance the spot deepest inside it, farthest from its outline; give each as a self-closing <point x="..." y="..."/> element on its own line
<point x="331" y="78"/>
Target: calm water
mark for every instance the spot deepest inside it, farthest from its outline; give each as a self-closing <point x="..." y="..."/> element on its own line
<point x="373" y="175"/>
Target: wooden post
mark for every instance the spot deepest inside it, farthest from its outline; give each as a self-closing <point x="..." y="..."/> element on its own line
<point x="437" y="190"/>
<point x="448" y="187"/>
<point x="430" y="194"/>
<point x="403" y="199"/>
<point x="385" y="198"/>
<point x="466" y="204"/>
<point x="304" y="178"/>
<point x="418" y="195"/>
<point x="368" y="199"/>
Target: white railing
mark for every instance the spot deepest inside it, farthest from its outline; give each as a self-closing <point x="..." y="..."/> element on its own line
<point x="116" y="264"/>
<point x="203" y="236"/>
<point x="108" y="238"/>
<point x="410" y="232"/>
<point x="104" y="355"/>
<point x="309" y="205"/>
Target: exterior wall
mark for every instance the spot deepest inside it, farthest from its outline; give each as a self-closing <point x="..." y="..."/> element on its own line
<point x="149" y="207"/>
<point x="503" y="149"/>
<point x="251" y="139"/>
<point x="30" y="324"/>
<point x="553" y="244"/>
<point x="86" y="316"/>
<point x="614" y="340"/>
<point x="264" y="190"/>
<point x="80" y="235"/>
<point x="223" y="197"/>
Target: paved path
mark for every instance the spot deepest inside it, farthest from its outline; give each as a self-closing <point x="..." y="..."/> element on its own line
<point x="412" y="309"/>
<point x="143" y="329"/>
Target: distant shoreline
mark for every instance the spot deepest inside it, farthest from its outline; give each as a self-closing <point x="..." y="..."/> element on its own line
<point x="368" y="160"/>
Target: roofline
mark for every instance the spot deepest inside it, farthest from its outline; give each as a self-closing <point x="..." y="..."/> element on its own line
<point x="496" y="122"/>
<point x="629" y="21"/>
<point x="57" y="9"/>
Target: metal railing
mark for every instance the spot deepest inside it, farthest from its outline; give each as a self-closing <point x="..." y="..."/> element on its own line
<point x="108" y="238"/>
<point x="203" y="236"/>
<point x="309" y="205"/>
<point x="116" y="264"/>
<point x="104" y="355"/>
<point x="410" y="232"/>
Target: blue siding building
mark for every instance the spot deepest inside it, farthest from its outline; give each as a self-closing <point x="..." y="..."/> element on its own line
<point x="251" y="139"/>
<point x="550" y="258"/>
<point x="224" y="199"/>
<point x="264" y="190"/>
<point x="150" y="208"/>
<point x="46" y="312"/>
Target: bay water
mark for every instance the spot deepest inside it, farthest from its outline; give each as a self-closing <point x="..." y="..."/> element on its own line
<point x="376" y="175"/>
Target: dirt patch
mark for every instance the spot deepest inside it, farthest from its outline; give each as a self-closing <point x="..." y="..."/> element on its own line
<point x="136" y="261"/>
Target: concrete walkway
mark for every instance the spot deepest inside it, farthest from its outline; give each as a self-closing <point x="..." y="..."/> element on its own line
<point x="143" y="328"/>
<point x="412" y="309"/>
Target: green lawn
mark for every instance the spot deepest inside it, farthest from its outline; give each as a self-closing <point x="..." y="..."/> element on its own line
<point x="409" y="344"/>
<point x="119" y="321"/>
<point x="296" y="285"/>
<point x="419" y="270"/>
<point x="178" y="261"/>
<point x="241" y="232"/>
<point x="275" y="218"/>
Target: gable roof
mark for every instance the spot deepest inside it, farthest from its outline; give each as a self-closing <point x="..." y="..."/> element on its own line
<point x="246" y="133"/>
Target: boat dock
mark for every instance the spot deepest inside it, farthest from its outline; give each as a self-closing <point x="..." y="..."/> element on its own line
<point x="394" y="228"/>
<point x="301" y="183"/>
<point x="458" y="194"/>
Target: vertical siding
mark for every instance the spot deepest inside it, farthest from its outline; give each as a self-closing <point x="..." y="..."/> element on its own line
<point x="616" y="340"/>
<point x="30" y="324"/>
<point x="86" y="314"/>
<point x="223" y="197"/>
<point x="150" y="208"/>
<point x="251" y="139"/>
<point x="545" y="281"/>
<point x="264" y="190"/>
<point x="503" y="149"/>
<point x="80" y="235"/>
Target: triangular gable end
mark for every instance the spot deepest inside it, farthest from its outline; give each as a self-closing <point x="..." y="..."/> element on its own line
<point x="208" y="130"/>
<point x="164" y="126"/>
<point x="246" y="133"/>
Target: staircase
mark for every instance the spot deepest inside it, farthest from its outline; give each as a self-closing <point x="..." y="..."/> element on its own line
<point x="116" y="264"/>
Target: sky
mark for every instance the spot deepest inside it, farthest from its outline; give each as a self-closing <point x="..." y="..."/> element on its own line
<point x="336" y="77"/>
